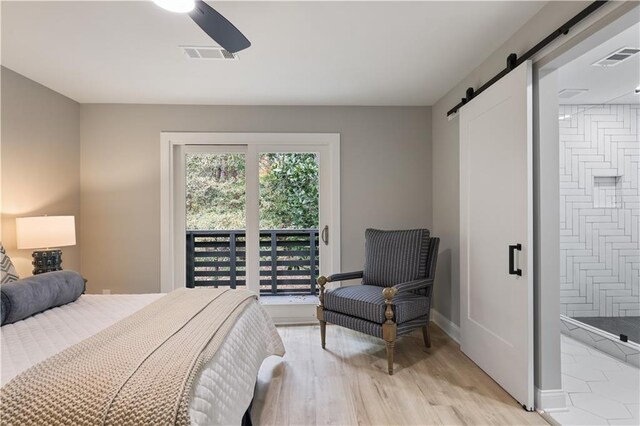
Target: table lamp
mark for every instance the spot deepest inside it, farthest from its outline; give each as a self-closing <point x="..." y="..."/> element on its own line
<point x="46" y="234"/>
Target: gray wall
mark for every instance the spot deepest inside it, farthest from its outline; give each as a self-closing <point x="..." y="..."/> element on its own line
<point x="40" y="161"/>
<point x="546" y="236"/>
<point x="385" y="176"/>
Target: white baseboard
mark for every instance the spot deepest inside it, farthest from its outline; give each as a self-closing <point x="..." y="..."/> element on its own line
<point x="294" y="321"/>
<point x="550" y="400"/>
<point x="446" y="325"/>
<point x="292" y="313"/>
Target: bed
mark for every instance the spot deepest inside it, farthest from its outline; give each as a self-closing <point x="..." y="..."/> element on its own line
<point x="220" y="394"/>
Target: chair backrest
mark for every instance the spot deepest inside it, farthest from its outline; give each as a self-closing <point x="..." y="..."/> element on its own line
<point x="394" y="257"/>
<point x="432" y="259"/>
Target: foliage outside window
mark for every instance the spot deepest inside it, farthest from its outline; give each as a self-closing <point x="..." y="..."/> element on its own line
<point x="288" y="191"/>
<point x="215" y="191"/>
<point x="216" y="198"/>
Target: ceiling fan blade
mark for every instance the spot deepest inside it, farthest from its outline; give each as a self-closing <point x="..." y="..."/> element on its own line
<point x="218" y="28"/>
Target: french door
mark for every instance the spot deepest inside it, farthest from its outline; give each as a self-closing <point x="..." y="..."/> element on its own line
<point x="496" y="233"/>
<point x="258" y="216"/>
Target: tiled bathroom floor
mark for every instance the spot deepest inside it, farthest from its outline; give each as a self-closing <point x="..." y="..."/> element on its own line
<point x="600" y="390"/>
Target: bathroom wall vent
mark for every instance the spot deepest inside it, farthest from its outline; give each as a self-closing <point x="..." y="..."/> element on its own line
<point x="208" y="53"/>
<point x="617" y="57"/>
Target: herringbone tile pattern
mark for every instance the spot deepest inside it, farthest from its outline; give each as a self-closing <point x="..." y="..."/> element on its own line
<point x="599" y="210"/>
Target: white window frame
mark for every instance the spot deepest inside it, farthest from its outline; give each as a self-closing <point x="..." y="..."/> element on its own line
<point x="172" y="144"/>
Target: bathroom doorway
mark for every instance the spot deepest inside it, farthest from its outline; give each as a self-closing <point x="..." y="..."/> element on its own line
<point x="598" y="99"/>
<point x="599" y="110"/>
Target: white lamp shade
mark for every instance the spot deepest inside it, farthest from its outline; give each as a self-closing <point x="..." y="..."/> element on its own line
<point x="178" y="6"/>
<point x="45" y="232"/>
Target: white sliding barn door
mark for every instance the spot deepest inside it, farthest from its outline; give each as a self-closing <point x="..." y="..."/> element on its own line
<point x="496" y="233"/>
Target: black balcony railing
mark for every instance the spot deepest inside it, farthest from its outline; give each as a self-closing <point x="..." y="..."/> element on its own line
<point x="288" y="260"/>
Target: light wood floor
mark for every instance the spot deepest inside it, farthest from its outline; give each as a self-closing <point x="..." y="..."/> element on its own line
<point x="347" y="384"/>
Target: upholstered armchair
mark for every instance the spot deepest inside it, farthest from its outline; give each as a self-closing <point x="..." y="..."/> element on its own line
<point x="394" y="298"/>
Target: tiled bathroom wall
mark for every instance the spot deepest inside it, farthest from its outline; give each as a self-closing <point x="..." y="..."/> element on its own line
<point x="599" y="210"/>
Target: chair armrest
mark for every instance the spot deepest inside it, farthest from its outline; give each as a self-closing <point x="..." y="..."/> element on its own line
<point x="414" y="285"/>
<point x="389" y="293"/>
<point x="344" y="276"/>
<point x="322" y="281"/>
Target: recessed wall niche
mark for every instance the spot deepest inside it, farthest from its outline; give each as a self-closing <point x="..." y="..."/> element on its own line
<point x="607" y="192"/>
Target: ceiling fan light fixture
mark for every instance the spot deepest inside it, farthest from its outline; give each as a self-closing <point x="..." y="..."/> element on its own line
<point x="177" y="6"/>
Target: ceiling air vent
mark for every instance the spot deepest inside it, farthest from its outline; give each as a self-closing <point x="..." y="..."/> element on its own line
<point x="208" y="52"/>
<point x="570" y="93"/>
<point x="616" y="57"/>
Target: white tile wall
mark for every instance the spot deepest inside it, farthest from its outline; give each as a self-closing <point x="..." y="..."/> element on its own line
<point x="599" y="210"/>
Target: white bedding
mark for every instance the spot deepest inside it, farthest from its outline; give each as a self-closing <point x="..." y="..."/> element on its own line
<point x="221" y="394"/>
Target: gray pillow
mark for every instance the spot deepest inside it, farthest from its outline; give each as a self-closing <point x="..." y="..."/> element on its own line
<point x="395" y="257"/>
<point x="29" y="296"/>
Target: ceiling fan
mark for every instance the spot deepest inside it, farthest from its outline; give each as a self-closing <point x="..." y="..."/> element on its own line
<point x="213" y="23"/>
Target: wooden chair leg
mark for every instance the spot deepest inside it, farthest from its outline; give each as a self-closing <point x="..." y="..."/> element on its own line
<point x="323" y="332"/>
<point x="322" y="281"/>
<point x="390" y="348"/>
<point x="426" y="336"/>
<point x="389" y="328"/>
<point x="389" y="333"/>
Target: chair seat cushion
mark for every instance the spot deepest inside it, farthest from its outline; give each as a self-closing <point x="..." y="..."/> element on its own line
<point x="366" y="302"/>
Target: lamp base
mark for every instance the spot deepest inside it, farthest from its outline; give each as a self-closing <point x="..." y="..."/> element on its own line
<point x="46" y="261"/>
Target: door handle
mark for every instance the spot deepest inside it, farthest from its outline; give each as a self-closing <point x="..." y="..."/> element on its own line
<point x="325" y="235"/>
<point x="512" y="259"/>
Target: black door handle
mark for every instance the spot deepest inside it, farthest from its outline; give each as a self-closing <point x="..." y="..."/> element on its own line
<point x="512" y="259"/>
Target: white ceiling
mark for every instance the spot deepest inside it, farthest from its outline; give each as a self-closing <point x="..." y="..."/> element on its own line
<point x="615" y="84"/>
<point x="303" y="53"/>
